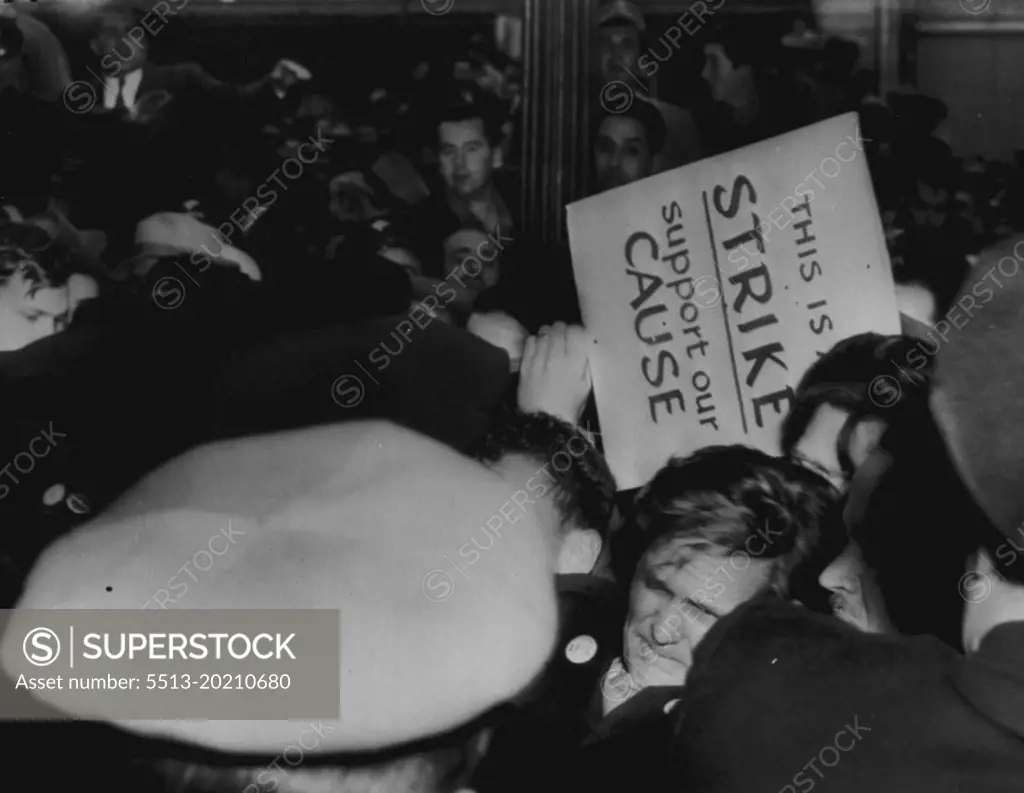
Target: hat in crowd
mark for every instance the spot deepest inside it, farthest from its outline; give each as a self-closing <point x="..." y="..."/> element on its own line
<point x="979" y="392"/>
<point x="169" y="233"/>
<point x="621" y="11"/>
<point x="365" y="517"/>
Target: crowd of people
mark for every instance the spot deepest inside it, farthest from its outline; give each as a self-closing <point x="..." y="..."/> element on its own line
<point x="234" y="301"/>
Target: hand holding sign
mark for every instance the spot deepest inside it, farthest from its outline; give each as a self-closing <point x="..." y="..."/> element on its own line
<point x="555" y="372"/>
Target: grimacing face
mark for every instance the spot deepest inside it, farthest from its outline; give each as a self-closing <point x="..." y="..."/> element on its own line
<point x="467" y="158"/>
<point x="621" y="153"/>
<point x="680" y="590"/>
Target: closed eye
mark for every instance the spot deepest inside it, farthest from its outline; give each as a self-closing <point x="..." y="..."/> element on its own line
<point x="703" y="608"/>
<point x="655" y="584"/>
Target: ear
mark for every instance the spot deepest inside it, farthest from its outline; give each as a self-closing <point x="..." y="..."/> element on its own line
<point x="497" y="157"/>
<point x="580" y="551"/>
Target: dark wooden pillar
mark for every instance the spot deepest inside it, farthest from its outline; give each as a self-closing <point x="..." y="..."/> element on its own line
<point x="556" y="143"/>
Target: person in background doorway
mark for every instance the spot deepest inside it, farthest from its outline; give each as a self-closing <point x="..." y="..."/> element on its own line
<point x="626" y="146"/>
<point x="621" y="28"/>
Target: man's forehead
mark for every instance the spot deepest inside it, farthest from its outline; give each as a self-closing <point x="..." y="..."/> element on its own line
<point x="621" y="129"/>
<point x="687" y="563"/>
<point x="667" y="558"/>
<point x="466" y="129"/>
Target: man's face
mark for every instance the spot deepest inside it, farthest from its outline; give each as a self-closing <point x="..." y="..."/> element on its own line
<point x="618" y="52"/>
<point x="677" y="596"/>
<point x="31" y="311"/>
<point x="467" y="158"/>
<point x="856" y="596"/>
<point x="621" y="153"/>
<point x="462" y="252"/>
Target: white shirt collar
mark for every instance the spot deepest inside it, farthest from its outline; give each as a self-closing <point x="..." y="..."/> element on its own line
<point x="129" y="86"/>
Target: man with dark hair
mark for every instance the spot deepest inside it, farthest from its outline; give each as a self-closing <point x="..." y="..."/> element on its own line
<point x="625" y="145"/>
<point x="863" y="421"/>
<point x="469" y="143"/>
<point x="847" y="398"/>
<point x="470" y="157"/>
<point x="621" y="29"/>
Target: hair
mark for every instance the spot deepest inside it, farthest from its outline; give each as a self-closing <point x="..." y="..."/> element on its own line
<point x="844" y="378"/>
<point x="584" y="492"/>
<point x="917" y="541"/>
<point x="457" y="113"/>
<point x="29" y="250"/>
<point x="648" y="115"/>
<point x="721" y="497"/>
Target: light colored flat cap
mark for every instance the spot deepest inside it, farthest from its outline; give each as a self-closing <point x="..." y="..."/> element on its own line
<point x="355" y="517"/>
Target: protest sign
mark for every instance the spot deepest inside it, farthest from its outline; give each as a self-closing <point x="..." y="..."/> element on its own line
<point x="712" y="288"/>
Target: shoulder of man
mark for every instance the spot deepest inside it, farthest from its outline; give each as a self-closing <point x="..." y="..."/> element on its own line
<point x="778" y="685"/>
<point x="772" y="636"/>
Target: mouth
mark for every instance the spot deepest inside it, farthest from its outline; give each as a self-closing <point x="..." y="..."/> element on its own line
<point x="843" y="610"/>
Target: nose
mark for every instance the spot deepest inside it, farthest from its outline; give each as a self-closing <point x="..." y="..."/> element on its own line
<point x="840" y="576"/>
<point x="665" y="628"/>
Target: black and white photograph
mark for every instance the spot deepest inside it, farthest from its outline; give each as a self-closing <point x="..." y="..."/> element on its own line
<point x="512" y="396"/>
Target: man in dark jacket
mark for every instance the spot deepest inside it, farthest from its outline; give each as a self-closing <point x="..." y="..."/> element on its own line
<point x="781" y="699"/>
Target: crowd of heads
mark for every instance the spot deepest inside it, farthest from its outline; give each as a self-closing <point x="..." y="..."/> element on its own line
<point x="836" y="522"/>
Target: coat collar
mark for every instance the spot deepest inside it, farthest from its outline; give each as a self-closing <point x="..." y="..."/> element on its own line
<point x="993" y="677"/>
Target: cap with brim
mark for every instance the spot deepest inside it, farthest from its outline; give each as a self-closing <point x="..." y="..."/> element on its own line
<point x="621" y="11"/>
<point x="364" y="517"/>
<point x="169" y="233"/>
<point x="979" y="392"/>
